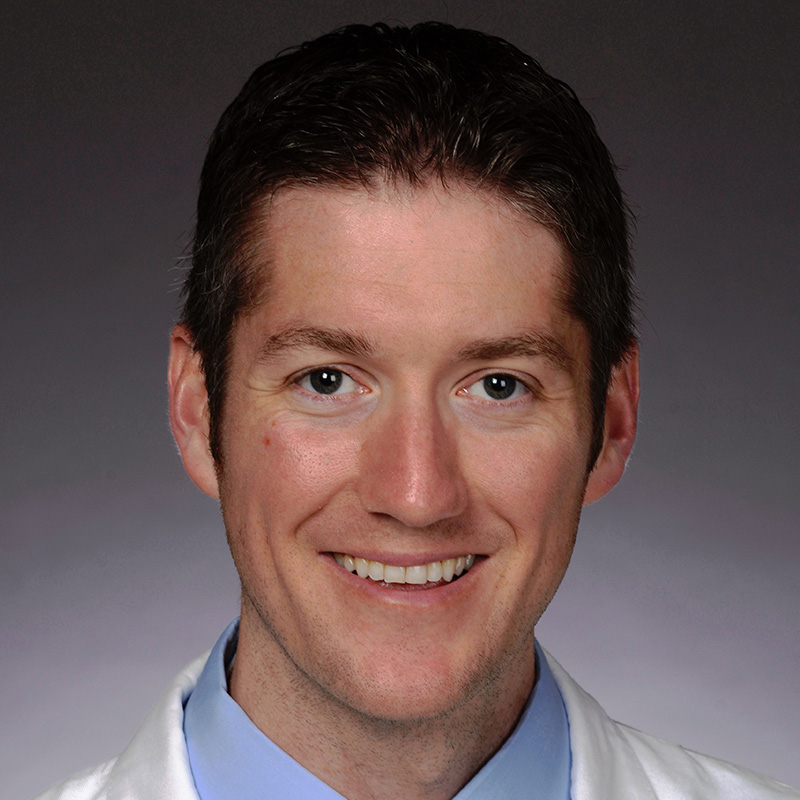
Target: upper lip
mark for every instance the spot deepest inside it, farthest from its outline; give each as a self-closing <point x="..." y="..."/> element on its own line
<point x="404" y="560"/>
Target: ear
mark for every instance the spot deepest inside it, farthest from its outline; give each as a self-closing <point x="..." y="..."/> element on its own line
<point x="188" y="410"/>
<point x="619" y="428"/>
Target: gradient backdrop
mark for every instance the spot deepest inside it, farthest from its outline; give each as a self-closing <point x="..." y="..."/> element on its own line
<point x="680" y="612"/>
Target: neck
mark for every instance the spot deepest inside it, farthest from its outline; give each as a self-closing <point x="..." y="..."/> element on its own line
<point x="366" y="757"/>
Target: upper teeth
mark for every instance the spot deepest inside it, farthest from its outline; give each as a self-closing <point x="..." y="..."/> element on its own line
<point x="418" y="573"/>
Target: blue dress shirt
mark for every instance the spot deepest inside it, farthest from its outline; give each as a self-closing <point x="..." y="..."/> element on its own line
<point x="231" y="759"/>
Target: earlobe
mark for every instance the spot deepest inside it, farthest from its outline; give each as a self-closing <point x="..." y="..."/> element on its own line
<point x="188" y="411"/>
<point x="619" y="430"/>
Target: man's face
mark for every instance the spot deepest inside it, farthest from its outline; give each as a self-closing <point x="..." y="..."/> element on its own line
<point x="410" y="392"/>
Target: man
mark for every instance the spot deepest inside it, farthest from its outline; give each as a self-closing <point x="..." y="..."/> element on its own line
<point x="406" y="361"/>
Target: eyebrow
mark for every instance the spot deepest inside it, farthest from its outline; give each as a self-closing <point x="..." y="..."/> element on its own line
<point x="531" y="344"/>
<point x="310" y="336"/>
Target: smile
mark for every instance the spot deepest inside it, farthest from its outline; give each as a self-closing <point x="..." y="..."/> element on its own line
<point x="418" y="574"/>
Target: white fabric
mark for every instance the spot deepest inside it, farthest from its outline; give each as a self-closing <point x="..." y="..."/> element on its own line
<point x="609" y="761"/>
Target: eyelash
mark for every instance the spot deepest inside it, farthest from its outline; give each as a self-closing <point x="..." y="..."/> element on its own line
<point x="296" y="381"/>
<point x="530" y="391"/>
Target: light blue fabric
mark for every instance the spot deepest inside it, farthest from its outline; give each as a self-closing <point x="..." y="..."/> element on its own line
<point x="232" y="760"/>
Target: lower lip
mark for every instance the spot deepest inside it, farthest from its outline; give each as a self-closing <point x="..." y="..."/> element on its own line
<point x="415" y="593"/>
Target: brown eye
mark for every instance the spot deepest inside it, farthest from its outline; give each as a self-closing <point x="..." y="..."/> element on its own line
<point x="500" y="387"/>
<point x="328" y="381"/>
<point x="325" y="381"/>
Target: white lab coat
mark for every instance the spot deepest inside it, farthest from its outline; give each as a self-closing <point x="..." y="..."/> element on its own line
<point x="609" y="761"/>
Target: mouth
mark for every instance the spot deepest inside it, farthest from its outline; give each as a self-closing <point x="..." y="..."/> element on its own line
<point x="434" y="573"/>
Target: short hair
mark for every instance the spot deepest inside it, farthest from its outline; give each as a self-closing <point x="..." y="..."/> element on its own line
<point x="366" y="104"/>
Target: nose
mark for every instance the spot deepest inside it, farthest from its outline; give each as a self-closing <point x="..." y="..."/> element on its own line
<point x="409" y="467"/>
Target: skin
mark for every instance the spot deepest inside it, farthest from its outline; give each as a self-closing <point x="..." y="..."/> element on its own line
<point x="410" y="298"/>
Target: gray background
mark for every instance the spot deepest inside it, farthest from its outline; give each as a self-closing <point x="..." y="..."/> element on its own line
<point x="680" y="612"/>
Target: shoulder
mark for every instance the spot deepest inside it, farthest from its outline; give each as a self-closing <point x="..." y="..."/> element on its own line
<point x="85" y="785"/>
<point x="154" y="765"/>
<point x="677" y="772"/>
<point x="613" y="760"/>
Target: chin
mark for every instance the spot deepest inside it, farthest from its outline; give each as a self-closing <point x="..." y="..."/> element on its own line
<point x="396" y="691"/>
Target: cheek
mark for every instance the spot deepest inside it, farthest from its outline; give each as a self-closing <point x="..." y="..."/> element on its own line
<point x="278" y="474"/>
<point x="537" y="492"/>
<point x="290" y="465"/>
<point x="532" y="480"/>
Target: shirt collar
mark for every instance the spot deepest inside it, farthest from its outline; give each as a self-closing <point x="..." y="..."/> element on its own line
<point x="231" y="758"/>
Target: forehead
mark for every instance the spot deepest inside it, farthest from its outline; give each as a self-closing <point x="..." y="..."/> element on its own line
<point x="438" y="262"/>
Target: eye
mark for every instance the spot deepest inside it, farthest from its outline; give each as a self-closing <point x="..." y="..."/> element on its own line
<point x="327" y="381"/>
<point x="498" y="386"/>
